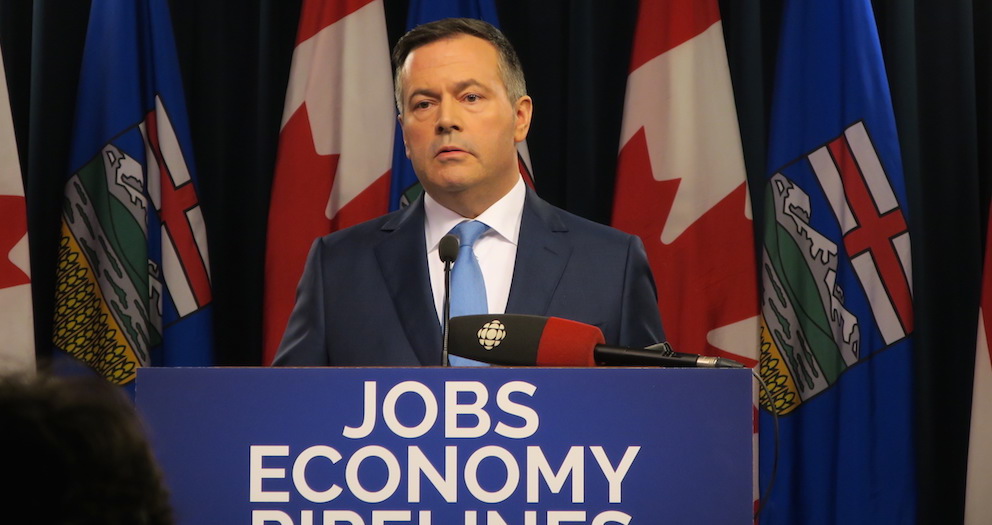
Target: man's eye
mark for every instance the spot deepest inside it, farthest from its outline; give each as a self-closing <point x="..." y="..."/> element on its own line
<point x="472" y="97"/>
<point x="423" y="104"/>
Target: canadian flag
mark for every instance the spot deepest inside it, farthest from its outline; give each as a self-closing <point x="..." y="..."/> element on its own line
<point x="681" y="183"/>
<point x="335" y="148"/>
<point x="978" y="505"/>
<point x="16" y="319"/>
<point x="682" y="186"/>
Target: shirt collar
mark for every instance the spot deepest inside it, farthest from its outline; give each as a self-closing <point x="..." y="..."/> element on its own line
<point x="503" y="217"/>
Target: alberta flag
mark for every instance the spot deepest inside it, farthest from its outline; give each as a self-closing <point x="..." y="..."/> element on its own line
<point x="837" y="308"/>
<point x="405" y="188"/>
<point x="133" y="280"/>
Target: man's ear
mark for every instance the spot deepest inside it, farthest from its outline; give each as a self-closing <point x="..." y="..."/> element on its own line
<point x="522" y="111"/>
<point x="406" y="147"/>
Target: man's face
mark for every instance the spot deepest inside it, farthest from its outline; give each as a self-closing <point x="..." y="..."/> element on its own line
<point x="459" y="127"/>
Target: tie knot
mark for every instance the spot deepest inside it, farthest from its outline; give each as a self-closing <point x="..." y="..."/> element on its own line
<point x="468" y="232"/>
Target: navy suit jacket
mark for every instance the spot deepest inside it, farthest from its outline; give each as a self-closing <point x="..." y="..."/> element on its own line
<point x="365" y="296"/>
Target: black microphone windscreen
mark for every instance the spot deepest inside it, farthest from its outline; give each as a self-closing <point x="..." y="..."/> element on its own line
<point x="523" y="340"/>
<point x="502" y="339"/>
<point x="448" y="248"/>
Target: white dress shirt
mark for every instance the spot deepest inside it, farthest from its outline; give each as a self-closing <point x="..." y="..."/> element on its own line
<point x="496" y="249"/>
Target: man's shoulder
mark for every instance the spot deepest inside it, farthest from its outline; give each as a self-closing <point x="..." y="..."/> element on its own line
<point x="590" y="227"/>
<point x="372" y="231"/>
<point x="558" y="219"/>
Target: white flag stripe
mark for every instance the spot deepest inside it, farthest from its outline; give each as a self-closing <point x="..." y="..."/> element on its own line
<point x="199" y="227"/>
<point x="168" y="143"/>
<point x="978" y="493"/>
<point x="902" y="244"/>
<point x="684" y="101"/>
<point x="740" y="338"/>
<point x="366" y="126"/>
<point x="175" y="278"/>
<point x="16" y="325"/>
<point x="10" y="167"/>
<point x="882" y="308"/>
<point x="338" y="74"/>
<point x="299" y="74"/>
<point x="19" y="256"/>
<point x="867" y="158"/>
<point x="833" y="187"/>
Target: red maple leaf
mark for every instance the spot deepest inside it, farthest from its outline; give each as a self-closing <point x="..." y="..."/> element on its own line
<point x="706" y="277"/>
<point x="13" y="228"/>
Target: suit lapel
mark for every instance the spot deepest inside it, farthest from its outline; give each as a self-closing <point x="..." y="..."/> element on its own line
<point x="402" y="260"/>
<point x="542" y="254"/>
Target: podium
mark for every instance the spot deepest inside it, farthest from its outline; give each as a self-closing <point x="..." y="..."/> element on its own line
<point x="443" y="446"/>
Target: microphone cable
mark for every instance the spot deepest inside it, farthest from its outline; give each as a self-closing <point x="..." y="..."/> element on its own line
<point x="763" y="498"/>
<point x="666" y="349"/>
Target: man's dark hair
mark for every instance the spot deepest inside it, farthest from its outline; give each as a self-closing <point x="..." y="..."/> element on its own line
<point x="510" y="69"/>
<point x="74" y="453"/>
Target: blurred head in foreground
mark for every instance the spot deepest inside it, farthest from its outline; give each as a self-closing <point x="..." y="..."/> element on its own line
<point x="73" y="451"/>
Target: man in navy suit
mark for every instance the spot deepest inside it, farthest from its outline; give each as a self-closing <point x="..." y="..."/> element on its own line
<point x="371" y="294"/>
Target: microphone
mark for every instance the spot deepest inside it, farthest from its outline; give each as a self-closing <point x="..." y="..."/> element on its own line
<point x="447" y="250"/>
<point x="530" y="340"/>
<point x="524" y="340"/>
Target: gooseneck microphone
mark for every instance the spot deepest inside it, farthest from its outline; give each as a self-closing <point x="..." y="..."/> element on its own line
<point x="530" y="340"/>
<point x="447" y="250"/>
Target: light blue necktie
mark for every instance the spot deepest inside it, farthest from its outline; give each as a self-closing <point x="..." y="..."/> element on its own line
<point x="468" y="288"/>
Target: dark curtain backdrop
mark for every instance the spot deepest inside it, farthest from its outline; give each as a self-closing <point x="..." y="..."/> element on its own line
<point x="235" y="58"/>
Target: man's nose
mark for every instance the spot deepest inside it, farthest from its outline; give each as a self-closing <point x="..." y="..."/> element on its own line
<point x="448" y="117"/>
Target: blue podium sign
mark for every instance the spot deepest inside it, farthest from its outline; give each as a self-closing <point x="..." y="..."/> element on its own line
<point x="444" y="446"/>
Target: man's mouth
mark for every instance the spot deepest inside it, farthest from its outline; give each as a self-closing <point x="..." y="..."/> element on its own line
<point x="449" y="149"/>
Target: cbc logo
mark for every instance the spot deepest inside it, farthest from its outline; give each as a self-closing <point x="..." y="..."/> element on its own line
<point x="491" y="334"/>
